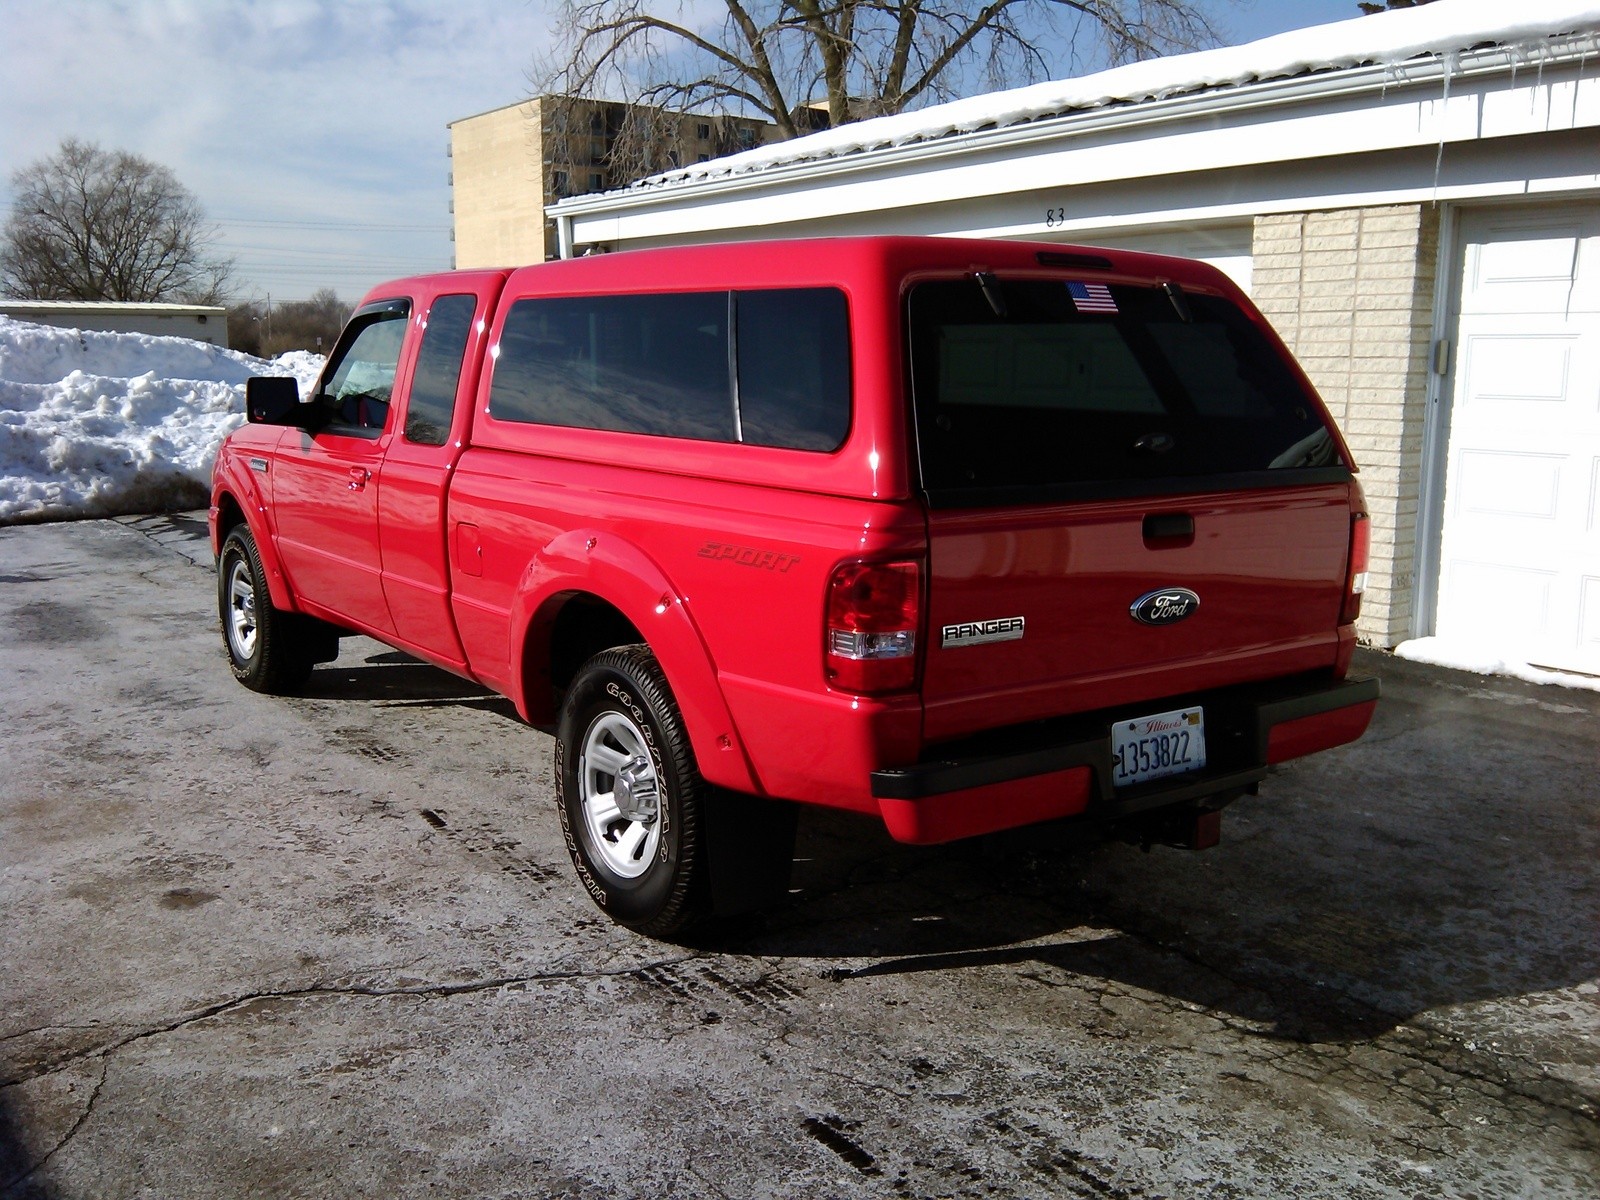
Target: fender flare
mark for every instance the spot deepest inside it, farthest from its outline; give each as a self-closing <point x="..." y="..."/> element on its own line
<point x="612" y="569"/>
<point x="231" y="480"/>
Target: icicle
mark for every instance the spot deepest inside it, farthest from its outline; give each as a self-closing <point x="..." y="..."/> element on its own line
<point x="1583" y="63"/>
<point x="1452" y="63"/>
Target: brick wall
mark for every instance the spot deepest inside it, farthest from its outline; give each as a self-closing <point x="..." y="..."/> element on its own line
<point x="1351" y="292"/>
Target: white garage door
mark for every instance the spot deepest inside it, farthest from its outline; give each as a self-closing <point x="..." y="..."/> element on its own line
<point x="1520" y="556"/>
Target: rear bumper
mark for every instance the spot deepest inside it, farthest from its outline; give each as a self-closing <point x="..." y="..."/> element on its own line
<point x="1063" y="768"/>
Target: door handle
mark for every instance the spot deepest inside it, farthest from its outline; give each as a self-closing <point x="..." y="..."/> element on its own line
<point x="358" y="478"/>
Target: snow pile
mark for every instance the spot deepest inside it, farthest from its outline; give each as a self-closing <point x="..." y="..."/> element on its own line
<point x="1388" y="38"/>
<point x="1470" y="656"/>
<point x="93" y="424"/>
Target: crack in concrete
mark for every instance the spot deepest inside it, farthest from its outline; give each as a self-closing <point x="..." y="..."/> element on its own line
<point x="12" y="1037"/>
<point x="174" y="545"/>
<point x="865" y="1085"/>
<point x="428" y="991"/>
<point x="83" y="1119"/>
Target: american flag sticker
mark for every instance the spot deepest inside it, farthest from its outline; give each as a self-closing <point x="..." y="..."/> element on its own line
<point x="1091" y="297"/>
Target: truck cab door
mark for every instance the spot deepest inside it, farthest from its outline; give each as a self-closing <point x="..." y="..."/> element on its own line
<point x="328" y="480"/>
<point x="421" y="457"/>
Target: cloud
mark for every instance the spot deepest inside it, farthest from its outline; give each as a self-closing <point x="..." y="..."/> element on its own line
<point x="280" y="116"/>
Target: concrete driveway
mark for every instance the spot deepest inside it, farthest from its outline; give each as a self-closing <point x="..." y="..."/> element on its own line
<point x="332" y="946"/>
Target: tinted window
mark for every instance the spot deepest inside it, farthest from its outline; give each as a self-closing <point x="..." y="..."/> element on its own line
<point x="794" y="368"/>
<point x="362" y="382"/>
<point x="1113" y="387"/>
<point x="639" y="364"/>
<point x="433" y="386"/>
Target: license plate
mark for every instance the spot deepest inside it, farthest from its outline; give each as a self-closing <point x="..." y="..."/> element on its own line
<point x="1168" y="743"/>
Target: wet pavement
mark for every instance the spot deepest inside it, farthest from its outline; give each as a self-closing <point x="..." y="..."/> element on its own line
<point x="332" y="945"/>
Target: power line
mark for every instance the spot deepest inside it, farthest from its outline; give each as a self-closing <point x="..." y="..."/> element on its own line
<point x="354" y="226"/>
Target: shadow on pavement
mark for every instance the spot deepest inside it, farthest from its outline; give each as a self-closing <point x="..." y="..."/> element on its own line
<point x="395" y="679"/>
<point x="16" y="1164"/>
<point x="1446" y="858"/>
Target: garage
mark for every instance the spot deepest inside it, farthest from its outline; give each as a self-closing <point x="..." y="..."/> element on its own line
<point x="1410" y="198"/>
<point x="1519" y="561"/>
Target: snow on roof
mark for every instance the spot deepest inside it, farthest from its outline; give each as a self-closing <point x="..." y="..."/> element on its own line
<point x="153" y="308"/>
<point x="1443" y="28"/>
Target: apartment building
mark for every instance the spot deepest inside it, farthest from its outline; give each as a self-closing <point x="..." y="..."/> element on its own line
<point x="509" y="164"/>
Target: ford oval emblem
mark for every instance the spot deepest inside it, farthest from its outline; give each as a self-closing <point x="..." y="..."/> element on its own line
<point x="1164" y="606"/>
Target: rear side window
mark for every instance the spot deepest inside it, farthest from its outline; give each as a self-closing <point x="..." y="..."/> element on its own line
<point x="1057" y="385"/>
<point x="794" y="368"/>
<point x="433" y="385"/>
<point x="636" y="364"/>
<point x="770" y="368"/>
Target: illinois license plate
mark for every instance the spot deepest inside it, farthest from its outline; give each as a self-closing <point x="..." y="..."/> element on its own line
<point x="1168" y="743"/>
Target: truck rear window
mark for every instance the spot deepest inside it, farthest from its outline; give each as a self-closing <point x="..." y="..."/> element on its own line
<point x="1074" y="387"/>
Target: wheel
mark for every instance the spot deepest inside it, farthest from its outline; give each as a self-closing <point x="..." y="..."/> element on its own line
<point x="630" y="796"/>
<point x="268" y="649"/>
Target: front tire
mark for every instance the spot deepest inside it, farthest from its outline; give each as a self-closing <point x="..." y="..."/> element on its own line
<point x="268" y="649"/>
<point x="630" y="795"/>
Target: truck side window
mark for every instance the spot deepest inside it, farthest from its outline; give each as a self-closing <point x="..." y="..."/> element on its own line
<point x="794" y="368"/>
<point x="660" y="364"/>
<point x="432" y="406"/>
<point x="636" y="364"/>
<point x="361" y="384"/>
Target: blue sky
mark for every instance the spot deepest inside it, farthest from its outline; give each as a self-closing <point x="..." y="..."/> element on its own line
<point x="313" y="131"/>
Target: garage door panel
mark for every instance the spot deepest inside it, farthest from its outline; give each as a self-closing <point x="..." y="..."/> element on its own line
<point x="1508" y="368"/>
<point x="1498" y="483"/>
<point x="1592" y="524"/>
<point x="1511" y="602"/>
<point x="1520" y="552"/>
<point x="1512" y="269"/>
<point x="1589" y="616"/>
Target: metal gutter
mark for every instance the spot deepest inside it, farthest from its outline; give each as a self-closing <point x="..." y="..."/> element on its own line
<point x="1573" y="49"/>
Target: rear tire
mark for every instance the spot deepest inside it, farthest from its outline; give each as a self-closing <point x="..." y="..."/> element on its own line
<point x="630" y="796"/>
<point x="269" y="650"/>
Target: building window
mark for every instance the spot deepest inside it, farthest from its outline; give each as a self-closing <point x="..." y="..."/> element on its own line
<point x="703" y="131"/>
<point x="597" y="181"/>
<point x="558" y="182"/>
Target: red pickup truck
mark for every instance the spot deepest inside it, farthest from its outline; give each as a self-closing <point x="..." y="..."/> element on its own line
<point x="961" y="534"/>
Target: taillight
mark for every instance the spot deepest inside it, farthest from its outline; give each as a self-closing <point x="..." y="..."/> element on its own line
<point x="871" y="631"/>
<point x="1360" y="553"/>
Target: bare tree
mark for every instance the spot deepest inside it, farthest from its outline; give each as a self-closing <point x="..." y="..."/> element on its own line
<point x="93" y="224"/>
<point x="789" y="61"/>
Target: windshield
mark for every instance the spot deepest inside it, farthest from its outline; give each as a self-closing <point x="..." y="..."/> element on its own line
<point x="1084" y="385"/>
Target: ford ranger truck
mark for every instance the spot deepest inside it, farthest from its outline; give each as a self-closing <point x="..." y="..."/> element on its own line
<point x="961" y="535"/>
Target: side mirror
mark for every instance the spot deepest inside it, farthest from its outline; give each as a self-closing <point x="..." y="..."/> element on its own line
<point x="275" y="400"/>
<point x="271" y="400"/>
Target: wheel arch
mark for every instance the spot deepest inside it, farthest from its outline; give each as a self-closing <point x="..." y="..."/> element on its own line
<point x="233" y="506"/>
<point x="588" y="591"/>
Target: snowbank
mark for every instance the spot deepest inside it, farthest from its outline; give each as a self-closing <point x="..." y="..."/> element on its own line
<point x="93" y="424"/>
<point x="1389" y="38"/>
<point x="1465" y="656"/>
